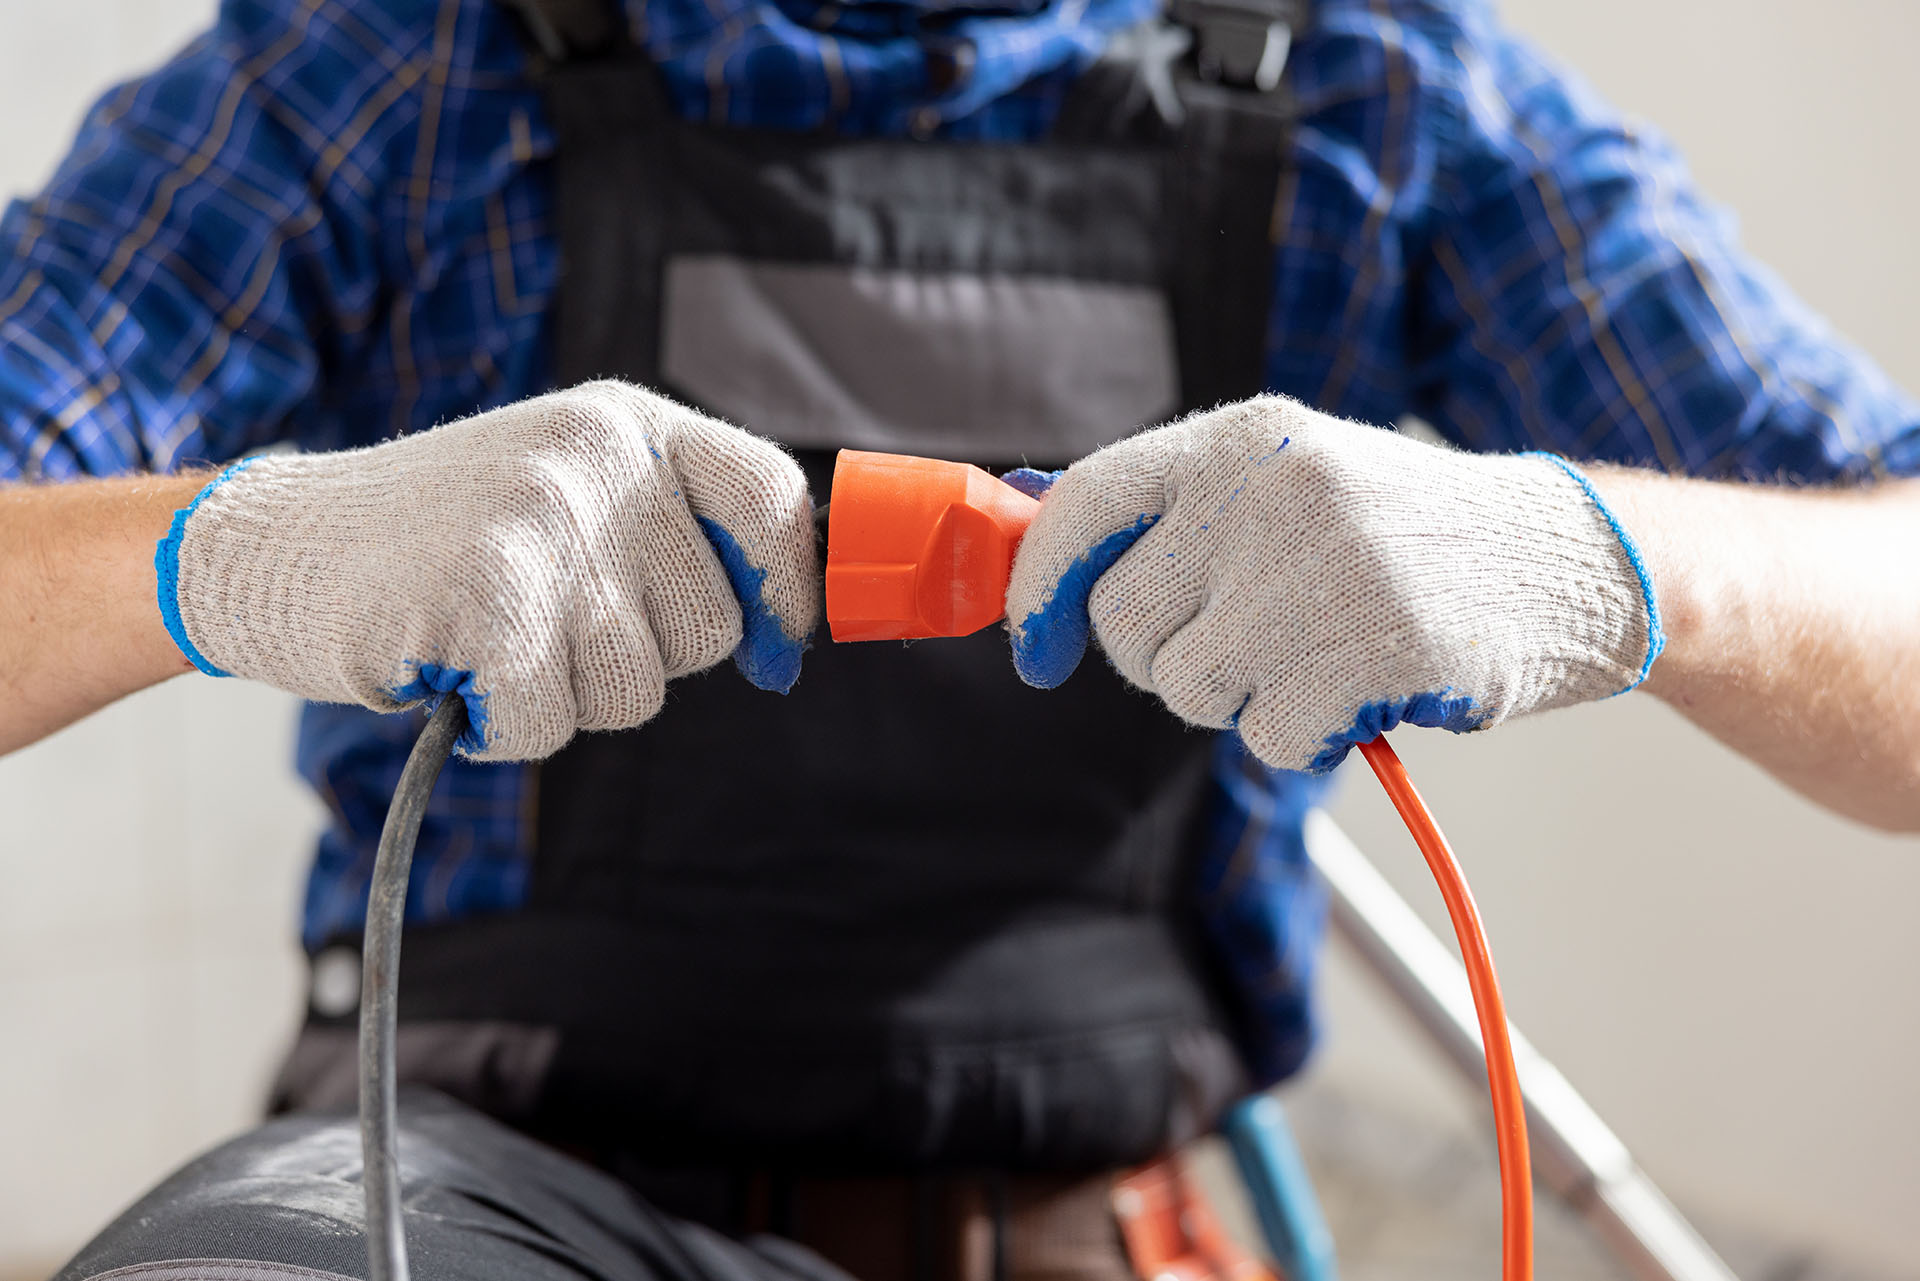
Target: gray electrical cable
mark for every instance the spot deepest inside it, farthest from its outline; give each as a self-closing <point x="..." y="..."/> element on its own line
<point x="380" y="989"/>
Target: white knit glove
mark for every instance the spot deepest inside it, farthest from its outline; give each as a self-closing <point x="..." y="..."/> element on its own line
<point x="1313" y="582"/>
<point x="554" y="562"/>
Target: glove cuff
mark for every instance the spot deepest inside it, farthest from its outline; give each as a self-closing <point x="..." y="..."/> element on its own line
<point x="1656" y="634"/>
<point x="166" y="565"/>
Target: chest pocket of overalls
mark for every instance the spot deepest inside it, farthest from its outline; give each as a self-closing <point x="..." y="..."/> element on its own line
<point x="993" y="302"/>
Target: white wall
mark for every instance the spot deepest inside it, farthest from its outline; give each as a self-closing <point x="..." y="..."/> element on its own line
<point x="1726" y="972"/>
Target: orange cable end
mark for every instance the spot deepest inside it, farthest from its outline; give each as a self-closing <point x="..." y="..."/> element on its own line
<point x="917" y="547"/>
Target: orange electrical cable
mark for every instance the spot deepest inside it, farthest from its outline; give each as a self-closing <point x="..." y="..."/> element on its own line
<point x="1503" y="1079"/>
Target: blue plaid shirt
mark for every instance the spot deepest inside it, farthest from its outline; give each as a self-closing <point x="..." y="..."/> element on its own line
<point x="330" y="221"/>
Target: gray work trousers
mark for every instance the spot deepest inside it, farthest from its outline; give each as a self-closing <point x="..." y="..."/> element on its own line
<point x="481" y="1203"/>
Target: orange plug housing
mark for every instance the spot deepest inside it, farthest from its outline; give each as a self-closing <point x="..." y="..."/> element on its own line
<point x="917" y="547"/>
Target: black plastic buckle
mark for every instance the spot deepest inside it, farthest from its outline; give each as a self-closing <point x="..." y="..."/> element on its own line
<point x="1242" y="43"/>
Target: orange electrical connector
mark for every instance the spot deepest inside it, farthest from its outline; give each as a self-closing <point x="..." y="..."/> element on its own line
<point x="917" y="547"/>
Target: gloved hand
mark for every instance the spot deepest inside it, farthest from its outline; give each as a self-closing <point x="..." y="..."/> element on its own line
<point x="554" y="562"/>
<point x="1313" y="582"/>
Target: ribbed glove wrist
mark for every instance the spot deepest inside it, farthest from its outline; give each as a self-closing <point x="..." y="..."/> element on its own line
<point x="555" y="562"/>
<point x="1312" y="582"/>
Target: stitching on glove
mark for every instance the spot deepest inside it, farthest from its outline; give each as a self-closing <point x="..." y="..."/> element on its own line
<point x="1430" y="711"/>
<point x="766" y="655"/>
<point x="1656" y="635"/>
<point x="431" y="683"/>
<point x="1049" y="642"/>
<point x="166" y="567"/>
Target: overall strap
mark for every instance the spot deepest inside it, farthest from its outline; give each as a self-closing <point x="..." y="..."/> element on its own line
<point x="609" y="114"/>
<point x="1205" y="83"/>
<point x="1227" y="167"/>
<point x="1233" y="150"/>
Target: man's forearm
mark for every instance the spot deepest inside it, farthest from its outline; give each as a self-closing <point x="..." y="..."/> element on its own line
<point x="79" y="626"/>
<point x="1793" y="628"/>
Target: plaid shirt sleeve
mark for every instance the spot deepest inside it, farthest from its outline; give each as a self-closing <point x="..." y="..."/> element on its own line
<point x="210" y="248"/>
<point x="1577" y="294"/>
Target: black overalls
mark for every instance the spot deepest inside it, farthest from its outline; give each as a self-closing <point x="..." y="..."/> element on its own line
<point x="914" y="913"/>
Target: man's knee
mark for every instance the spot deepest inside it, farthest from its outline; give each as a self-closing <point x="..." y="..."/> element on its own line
<point x="481" y="1203"/>
<point x="281" y="1203"/>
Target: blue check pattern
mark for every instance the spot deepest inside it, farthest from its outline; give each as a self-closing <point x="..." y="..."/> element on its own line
<point x="330" y="221"/>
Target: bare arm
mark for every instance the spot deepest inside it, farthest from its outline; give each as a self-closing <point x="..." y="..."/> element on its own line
<point x="1793" y="629"/>
<point x="79" y="622"/>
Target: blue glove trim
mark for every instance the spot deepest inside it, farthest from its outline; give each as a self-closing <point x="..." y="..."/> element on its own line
<point x="166" y="568"/>
<point x="432" y="683"/>
<point x="1656" y="635"/>
<point x="1050" y="642"/>
<point x="1431" y="711"/>
<point x="766" y="656"/>
<point x="1031" y="481"/>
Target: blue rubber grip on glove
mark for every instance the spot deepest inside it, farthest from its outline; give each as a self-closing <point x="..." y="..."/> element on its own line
<point x="766" y="655"/>
<point x="1049" y="643"/>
